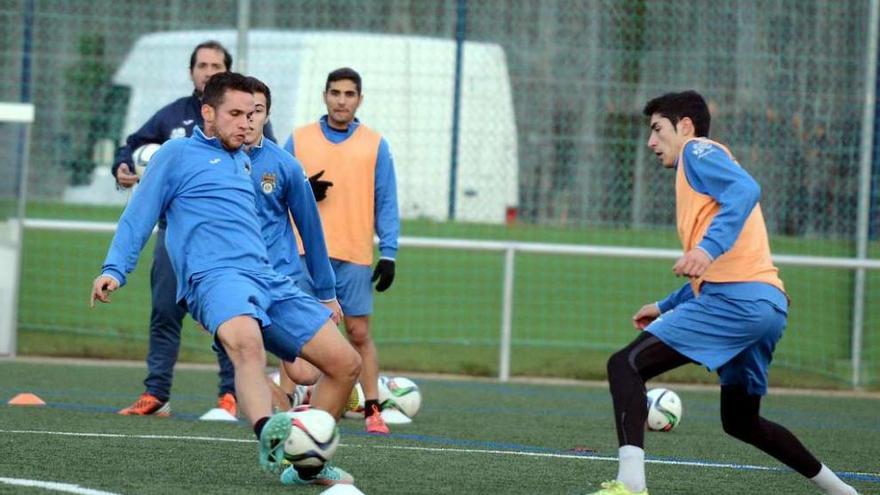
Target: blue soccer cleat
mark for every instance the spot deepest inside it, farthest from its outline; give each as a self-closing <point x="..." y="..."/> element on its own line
<point x="272" y="438"/>
<point x="329" y="475"/>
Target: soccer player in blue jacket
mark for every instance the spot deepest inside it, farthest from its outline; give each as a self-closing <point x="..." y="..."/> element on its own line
<point x="202" y="186"/>
<point x="177" y="119"/>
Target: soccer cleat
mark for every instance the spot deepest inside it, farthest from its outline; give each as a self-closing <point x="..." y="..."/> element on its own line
<point x="375" y="423"/>
<point x="272" y="438"/>
<point x="617" y="488"/>
<point x="301" y="396"/>
<point x="329" y="475"/>
<point x="227" y="403"/>
<point x="147" y="405"/>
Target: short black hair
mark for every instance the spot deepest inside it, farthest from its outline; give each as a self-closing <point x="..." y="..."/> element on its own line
<point x="344" y="73"/>
<point x="220" y="83"/>
<point x="258" y="86"/>
<point x="213" y="45"/>
<point x="676" y="106"/>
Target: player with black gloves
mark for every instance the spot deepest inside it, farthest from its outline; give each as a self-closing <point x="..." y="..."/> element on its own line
<point x="351" y="172"/>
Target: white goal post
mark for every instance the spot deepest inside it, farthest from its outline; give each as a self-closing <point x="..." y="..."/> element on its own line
<point x="11" y="224"/>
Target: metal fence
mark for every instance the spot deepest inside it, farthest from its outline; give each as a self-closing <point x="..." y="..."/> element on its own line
<point x="789" y="84"/>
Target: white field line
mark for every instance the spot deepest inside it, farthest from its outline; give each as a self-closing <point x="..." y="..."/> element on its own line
<point x="53" y="485"/>
<point x="549" y="455"/>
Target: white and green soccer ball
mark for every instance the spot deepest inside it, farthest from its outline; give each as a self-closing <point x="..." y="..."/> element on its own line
<point x="141" y="157"/>
<point x="400" y="393"/>
<point x="664" y="409"/>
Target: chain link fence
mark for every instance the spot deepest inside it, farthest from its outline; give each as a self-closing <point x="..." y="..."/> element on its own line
<point x="785" y="80"/>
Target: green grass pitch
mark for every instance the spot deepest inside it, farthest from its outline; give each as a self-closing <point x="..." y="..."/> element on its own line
<point x="470" y="437"/>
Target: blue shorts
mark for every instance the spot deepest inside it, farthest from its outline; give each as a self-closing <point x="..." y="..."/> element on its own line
<point x="289" y="318"/>
<point x="353" y="288"/>
<point x="735" y="337"/>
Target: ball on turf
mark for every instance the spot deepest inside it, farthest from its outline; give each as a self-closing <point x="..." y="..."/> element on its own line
<point x="664" y="409"/>
<point x="354" y="408"/>
<point x="313" y="439"/>
<point x="141" y="157"/>
<point x="400" y="393"/>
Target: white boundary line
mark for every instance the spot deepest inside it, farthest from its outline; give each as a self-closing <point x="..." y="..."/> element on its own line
<point x="54" y="485"/>
<point x="549" y="455"/>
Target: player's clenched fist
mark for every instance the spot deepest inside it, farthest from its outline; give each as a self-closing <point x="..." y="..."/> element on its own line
<point x="101" y="289"/>
<point x="693" y="264"/>
<point x="645" y="315"/>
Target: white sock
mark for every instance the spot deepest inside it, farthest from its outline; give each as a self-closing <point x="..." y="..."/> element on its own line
<point x="631" y="468"/>
<point x="829" y="483"/>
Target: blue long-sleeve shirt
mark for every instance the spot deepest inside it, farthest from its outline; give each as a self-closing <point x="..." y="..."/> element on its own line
<point x="281" y="186"/>
<point x="710" y="170"/>
<point x="175" y="120"/>
<point x="206" y="193"/>
<point x="387" y="216"/>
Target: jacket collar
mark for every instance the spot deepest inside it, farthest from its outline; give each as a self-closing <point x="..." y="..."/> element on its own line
<point x="214" y="142"/>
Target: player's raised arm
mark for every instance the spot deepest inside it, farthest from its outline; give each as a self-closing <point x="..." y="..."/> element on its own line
<point x="136" y="223"/>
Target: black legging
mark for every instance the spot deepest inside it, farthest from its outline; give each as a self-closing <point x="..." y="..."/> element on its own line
<point x="646" y="357"/>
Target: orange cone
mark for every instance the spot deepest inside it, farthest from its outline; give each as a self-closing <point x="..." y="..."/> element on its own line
<point x="26" y="399"/>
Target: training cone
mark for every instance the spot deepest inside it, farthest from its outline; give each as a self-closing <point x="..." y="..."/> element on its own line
<point x="26" y="399"/>
<point x="342" y="490"/>
<point x="218" y="414"/>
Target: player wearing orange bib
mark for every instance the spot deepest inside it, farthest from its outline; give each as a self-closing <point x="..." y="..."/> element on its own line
<point x="357" y="198"/>
<point x="730" y="314"/>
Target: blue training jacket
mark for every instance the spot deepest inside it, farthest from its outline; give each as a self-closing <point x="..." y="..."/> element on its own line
<point x="206" y="194"/>
<point x="175" y="120"/>
<point x="281" y="186"/>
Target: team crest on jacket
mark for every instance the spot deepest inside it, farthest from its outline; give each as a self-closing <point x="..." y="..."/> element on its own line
<point x="268" y="183"/>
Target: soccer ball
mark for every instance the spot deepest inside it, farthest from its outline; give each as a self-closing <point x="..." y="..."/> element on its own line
<point x="141" y="157"/>
<point x="400" y="393"/>
<point x="354" y="408"/>
<point x="313" y="439"/>
<point x="664" y="409"/>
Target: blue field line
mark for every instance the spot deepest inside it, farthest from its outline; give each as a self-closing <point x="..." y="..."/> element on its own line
<point x="703" y="411"/>
<point x="513" y="448"/>
<point x="112" y="410"/>
<point x="699" y="413"/>
<point x="125" y="397"/>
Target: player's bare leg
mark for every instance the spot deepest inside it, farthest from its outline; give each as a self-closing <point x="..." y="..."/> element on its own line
<point x="299" y="372"/>
<point x="295" y="379"/>
<point x="358" y="329"/>
<point x="243" y="341"/>
<point x="340" y="364"/>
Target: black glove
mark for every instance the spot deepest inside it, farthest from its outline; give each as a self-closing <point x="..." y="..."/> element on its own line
<point x="319" y="187"/>
<point x="384" y="273"/>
